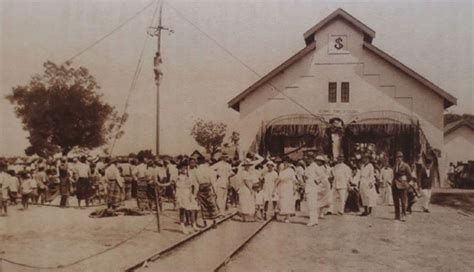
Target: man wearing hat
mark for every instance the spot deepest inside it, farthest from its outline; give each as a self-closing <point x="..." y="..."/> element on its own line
<point x="223" y="171"/>
<point x="402" y="175"/>
<point x="342" y="175"/>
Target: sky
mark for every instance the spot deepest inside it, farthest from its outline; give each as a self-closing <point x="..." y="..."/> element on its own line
<point x="435" y="38"/>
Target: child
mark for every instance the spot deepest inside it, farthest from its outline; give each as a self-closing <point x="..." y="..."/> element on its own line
<point x="259" y="202"/>
<point x="412" y="195"/>
<point x="27" y="186"/>
<point x="183" y="196"/>
<point x="101" y="186"/>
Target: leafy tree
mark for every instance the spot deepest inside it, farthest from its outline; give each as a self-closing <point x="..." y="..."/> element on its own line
<point x="148" y="154"/>
<point x="62" y="110"/>
<point x="209" y="135"/>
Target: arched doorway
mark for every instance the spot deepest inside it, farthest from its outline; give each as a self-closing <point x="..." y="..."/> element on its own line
<point x="292" y="135"/>
<point x="383" y="131"/>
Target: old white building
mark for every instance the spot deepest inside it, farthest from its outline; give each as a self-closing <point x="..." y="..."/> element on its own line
<point x="341" y="92"/>
<point x="459" y="142"/>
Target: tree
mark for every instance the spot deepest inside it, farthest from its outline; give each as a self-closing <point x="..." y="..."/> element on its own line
<point x="209" y="135"/>
<point x="146" y="154"/>
<point x="62" y="110"/>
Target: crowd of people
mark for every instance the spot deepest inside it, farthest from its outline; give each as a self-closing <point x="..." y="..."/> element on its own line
<point x="258" y="187"/>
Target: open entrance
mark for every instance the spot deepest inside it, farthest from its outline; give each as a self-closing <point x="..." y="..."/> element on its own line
<point x="291" y="135"/>
<point x="383" y="132"/>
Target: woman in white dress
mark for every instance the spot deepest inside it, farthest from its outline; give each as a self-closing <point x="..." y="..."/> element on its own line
<point x="248" y="178"/>
<point x="286" y="190"/>
<point x="324" y="187"/>
<point x="368" y="193"/>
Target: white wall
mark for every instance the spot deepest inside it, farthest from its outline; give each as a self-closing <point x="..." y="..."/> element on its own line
<point x="459" y="145"/>
<point x="374" y="85"/>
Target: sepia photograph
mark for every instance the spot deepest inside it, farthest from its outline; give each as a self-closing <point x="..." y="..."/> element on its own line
<point x="236" y="135"/>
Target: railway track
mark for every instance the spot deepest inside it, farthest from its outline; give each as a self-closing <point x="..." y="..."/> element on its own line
<point x="211" y="249"/>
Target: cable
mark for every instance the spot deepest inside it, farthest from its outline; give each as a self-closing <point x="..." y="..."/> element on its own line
<point x="238" y="59"/>
<point x="110" y="33"/>
<point x="133" y="84"/>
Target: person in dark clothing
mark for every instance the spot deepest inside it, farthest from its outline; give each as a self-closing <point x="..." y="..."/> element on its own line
<point x="402" y="174"/>
<point x="64" y="183"/>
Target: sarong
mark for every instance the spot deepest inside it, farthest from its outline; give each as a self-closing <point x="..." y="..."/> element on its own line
<point x="114" y="192"/>
<point x="64" y="186"/>
<point x="207" y="201"/>
<point x="53" y="192"/>
<point x="353" y="201"/>
<point x="324" y="194"/>
<point x="83" y="188"/>
<point x="142" y="196"/>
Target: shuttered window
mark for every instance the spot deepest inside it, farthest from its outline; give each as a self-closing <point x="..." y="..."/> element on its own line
<point x="332" y="92"/>
<point x="345" y="92"/>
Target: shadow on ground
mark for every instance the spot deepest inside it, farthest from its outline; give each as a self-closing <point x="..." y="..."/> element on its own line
<point x="462" y="201"/>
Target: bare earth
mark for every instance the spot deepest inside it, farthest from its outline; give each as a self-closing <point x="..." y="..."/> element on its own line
<point x="442" y="240"/>
<point x="67" y="239"/>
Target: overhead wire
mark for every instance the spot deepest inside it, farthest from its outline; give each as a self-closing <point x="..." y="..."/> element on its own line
<point x="237" y="58"/>
<point x="110" y="33"/>
<point x="133" y="84"/>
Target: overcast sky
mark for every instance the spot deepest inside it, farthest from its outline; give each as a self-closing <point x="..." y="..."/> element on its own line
<point x="434" y="38"/>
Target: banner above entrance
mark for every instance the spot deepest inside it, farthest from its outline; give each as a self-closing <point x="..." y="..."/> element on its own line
<point x="338" y="111"/>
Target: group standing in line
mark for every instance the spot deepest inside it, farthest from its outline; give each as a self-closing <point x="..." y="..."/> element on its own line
<point x="256" y="185"/>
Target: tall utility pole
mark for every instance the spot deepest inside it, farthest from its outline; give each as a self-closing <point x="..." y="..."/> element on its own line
<point x="156" y="32"/>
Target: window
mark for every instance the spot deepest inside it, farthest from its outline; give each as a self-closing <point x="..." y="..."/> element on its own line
<point x="345" y="92"/>
<point x="332" y="92"/>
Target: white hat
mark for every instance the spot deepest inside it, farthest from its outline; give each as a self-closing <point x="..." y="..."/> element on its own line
<point x="247" y="162"/>
<point x="320" y="158"/>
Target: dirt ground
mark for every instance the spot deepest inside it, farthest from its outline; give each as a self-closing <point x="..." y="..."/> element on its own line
<point x="68" y="240"/>
<point x="442" y="240"/>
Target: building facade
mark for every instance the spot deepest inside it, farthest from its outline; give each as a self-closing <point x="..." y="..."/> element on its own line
<point x="459" y="142"/>
<point x="340" y="92"/>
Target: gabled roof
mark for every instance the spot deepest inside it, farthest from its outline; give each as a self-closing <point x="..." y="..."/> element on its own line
<point x="449" y="100"/>
<point x="369" y="34"/>
<point x="455" y="125"/>
<point x="235" y="102"/>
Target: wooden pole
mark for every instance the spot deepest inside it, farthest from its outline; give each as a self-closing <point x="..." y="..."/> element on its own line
<point x="157" y="202"/>
<point x="158" y="74"/>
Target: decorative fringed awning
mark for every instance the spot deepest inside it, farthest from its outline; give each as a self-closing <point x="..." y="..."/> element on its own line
<point x="380" y="129"/>
<point x="295" y="130"/>
<point x="383" y="117"/>
<point x="290" y="126"/>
